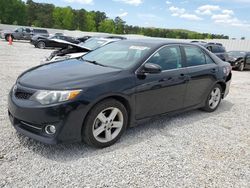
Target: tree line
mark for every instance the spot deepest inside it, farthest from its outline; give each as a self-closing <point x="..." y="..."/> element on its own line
<point x="49" y="16"/>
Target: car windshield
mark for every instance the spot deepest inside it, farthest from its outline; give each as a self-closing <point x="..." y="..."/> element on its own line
<point x="236" y="53"/>
<point x="93" y="43"/>
<point x="118" y="55"/>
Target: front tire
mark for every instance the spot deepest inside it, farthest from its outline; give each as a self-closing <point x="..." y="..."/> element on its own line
<point x="105" y="123"/>
<point x="41" y="45"/>
<point x="213" y="99"/>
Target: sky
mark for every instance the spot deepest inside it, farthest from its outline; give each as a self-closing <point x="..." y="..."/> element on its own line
<point x="228" y="17"/>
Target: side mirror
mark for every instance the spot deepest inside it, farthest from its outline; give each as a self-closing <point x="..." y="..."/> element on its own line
<point x="151" y="68"/>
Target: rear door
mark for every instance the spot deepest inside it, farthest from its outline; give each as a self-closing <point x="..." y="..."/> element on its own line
<point x="202" y="72"/>
<point x="164" y="92"/>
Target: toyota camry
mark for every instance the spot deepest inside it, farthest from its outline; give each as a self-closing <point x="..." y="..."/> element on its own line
<point x="97" y="97"/>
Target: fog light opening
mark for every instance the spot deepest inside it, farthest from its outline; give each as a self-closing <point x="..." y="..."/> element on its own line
<point x="50" y="129"/>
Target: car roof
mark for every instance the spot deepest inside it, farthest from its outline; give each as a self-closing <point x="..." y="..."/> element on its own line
<point x="154" y="43"/>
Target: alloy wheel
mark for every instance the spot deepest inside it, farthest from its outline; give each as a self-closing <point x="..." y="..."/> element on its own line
<point x="214" y="98"/>
<point x="41" y="45"/>
<point x="108" y="124"/>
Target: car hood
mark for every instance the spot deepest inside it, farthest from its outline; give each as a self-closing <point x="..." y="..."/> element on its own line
<point x="70" y="74"/>
<point x="71" y="44"/>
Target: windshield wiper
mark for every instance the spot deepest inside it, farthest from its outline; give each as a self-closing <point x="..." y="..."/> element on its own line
<point x="94" y="62"/>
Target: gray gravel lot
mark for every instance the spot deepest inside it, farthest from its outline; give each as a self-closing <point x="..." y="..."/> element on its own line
<point x="193" y="149"/>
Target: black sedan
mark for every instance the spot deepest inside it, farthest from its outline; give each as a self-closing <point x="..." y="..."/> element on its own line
<point x="96" y="97"/>
<point x="52" y="43"/>
<point x="239" y="59"/>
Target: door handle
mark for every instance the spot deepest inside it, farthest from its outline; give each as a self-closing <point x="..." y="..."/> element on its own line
<point x="165" y="79"/>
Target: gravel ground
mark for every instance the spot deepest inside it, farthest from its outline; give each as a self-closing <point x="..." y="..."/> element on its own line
<point x="193" y="149"/>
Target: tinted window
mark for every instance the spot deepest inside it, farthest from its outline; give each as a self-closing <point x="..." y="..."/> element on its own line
<point x="168" y="58"/>
<point x="221" y="49"/>
<point x="209" y="48"/>
<point x="40" y="31"/>
<point x="194" y="56"/>
<point x="27" y="30"/>
<point x="218" y="49"/>
<point x="209" y="60"/>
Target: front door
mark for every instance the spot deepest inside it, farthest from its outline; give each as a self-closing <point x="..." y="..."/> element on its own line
<point x="163" y="92"/>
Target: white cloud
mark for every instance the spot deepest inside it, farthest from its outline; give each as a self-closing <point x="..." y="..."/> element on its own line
<point x="207" y="9"/>
<point x="221" y="17"/>
<point x="229" y="12"/>
<point x="168" y="2"/>
<point x="123" y="14"/>
<point x="177" y="11"/>
<point x="227" y="18"/>
<point x="130" y="2"/>
<point x="86" y="2"/>
<point x="181" y="13"/>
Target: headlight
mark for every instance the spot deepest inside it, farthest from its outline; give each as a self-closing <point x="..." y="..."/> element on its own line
<point x="50" y="97"/>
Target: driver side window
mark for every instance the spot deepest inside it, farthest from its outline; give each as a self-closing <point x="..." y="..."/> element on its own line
<point x="167" y="58"/>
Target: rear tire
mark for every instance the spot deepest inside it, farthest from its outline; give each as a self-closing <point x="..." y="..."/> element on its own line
<point x="213" y="99"/>
<point x="105" y="123"/>
<point x="241" y="67"/>
<point x="41" y="45"/>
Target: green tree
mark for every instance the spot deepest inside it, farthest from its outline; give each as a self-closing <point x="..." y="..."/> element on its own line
<point x="13" y="11"/>
<point x="40" y="14"/>
<point x="63" y="18"/>
<point x="119" y="25"/>
<point x="90" y="22"/>
<point x="107" y="26"/>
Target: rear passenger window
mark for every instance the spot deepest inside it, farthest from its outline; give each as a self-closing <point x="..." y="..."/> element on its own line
<point x="168" y="58"/>
<point x="194" y="56"/>
<point x="221" y="49"/>
<point x="209" y="60"/>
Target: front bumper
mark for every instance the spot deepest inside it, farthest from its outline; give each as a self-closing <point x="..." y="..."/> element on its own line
<point x="31" y="119"/>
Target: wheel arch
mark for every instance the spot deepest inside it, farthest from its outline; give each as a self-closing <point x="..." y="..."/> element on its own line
<point x="121" y="98"/>
<point x="223" y="86"/>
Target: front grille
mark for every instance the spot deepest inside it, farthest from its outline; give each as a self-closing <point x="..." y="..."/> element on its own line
<point x="23" y="95"/>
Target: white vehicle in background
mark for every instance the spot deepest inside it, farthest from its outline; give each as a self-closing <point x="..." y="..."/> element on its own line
<point x="78" y="50"/>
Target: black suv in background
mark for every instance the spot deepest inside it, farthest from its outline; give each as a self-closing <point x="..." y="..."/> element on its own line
<point x="216" y="48"/>
<point x="50" y="42"/>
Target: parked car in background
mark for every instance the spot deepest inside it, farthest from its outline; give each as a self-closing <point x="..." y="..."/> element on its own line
<point x="83" y="39"/>
<point x="96" y="97"/>
<point x="76" y="51"/>
<point x="50" y="43"/>
<point x="35" y="38"/>
<point x="216" y="48"/>
<point x="239" y="59"/>
<point x="23" y="33"/>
